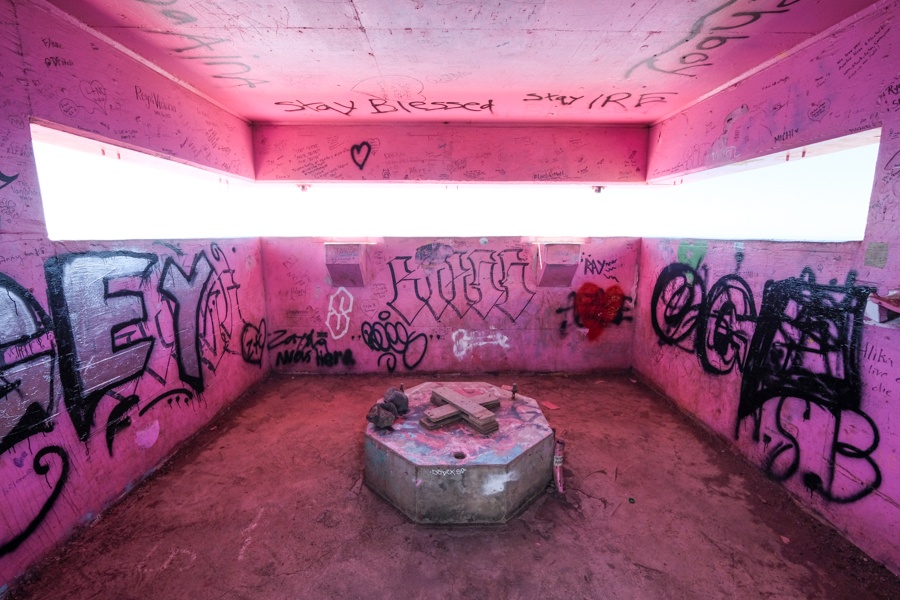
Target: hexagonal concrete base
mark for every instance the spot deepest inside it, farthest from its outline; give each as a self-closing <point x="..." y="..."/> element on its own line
<point x="454" y="474"/>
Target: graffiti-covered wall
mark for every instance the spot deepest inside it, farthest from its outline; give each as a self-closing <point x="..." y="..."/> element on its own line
<point x="843" y="83"/>
<point x="769" y="344"/>
<point x="109" y="358"/>
<point x="113" y="354"/>
<point x="455" y="304"/>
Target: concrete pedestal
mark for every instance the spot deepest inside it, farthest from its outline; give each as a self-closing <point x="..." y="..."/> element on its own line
<point x="455" y="475"/>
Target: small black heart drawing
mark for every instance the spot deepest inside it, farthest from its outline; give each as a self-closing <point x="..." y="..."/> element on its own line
<point x="360" y="154"/>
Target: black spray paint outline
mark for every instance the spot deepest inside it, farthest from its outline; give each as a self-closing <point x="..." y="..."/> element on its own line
<point x="7" y="179"/>
<point x="80" y="406"/>
<point x="41" y="469"/>
<point x="356" y="153"/>
<point x="195" y="380"/>
<point x="391" y="339"/>
<point x="35" y="419"/>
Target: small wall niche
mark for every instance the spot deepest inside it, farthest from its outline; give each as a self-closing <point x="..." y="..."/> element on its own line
<point x="558" y="263"/>
<point x="346" y="264"/>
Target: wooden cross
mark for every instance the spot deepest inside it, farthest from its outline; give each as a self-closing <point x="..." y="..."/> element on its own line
<point x="453" y="407"/>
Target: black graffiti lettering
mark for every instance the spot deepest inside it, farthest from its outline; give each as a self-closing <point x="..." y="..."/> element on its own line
<point x="687" y="55"/>
<point x="605" y="268"/>
<point x="700" y="57"/>
<point x="392" y="339"/>
<point x="237" y="74"/>
<point x="331" y="359"/>
<point x="5" y="180"/>
<point x="100" y="334"/>
<point x="91" y="359"/>
<point x="377" y="104"/>
<point x="804" y="371"/>
<point x="119" y="420"/>
<point x="799" y="360"/>
<point x="186" y="293"/>
<point x="58" y="61"/>
<point x="42" y="469"/>
<point x="287" y="357"/>
<point x="153" y="100"/>
<point x="202" y="41"/>
<point x="483" y="295"/>
<point x="479" y="280"/>
<point x="27" y="365"/>
<point x="98" y="352"/>
<point x="615" y="99"/>
<point x="302" y="347"/>
<point x="384" y="106"/>
<point x="515" y="295"/>
<point x="297" y="106"/>
<point x="675" y="304"/>
<point x="169" y="396"/>
<point x="253" y="342"/>
<point x="565" y="310"/>
<point x="718" y="41"/>
<point x="650" y="98"/>
<point x="723" y="330"/>
<point x="220" y="312"/>
<point x="564" y="100"/>
<point x="251" y="83"/>
<point x="179" y="17"/>
<point x="754" y="16"/>
<point x="722" y="319"/>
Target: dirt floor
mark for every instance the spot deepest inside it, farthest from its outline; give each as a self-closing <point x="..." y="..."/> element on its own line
<point x="269" y="503"/>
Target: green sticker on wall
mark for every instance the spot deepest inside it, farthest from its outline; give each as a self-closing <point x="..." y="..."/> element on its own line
<point x="692" y="253"/>
<point x="877" y="254"/>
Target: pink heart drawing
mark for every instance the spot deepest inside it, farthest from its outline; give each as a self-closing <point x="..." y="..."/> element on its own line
<point x="360" y="154"/>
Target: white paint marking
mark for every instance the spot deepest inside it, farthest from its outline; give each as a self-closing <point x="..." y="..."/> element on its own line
<point x="464" y="341"/>
<point x="146" y="437"/>
<point x="459" y="471"/>
<point x="494" y="484"/>
<point x="165" y="565"/>
<point x="341" y="314"/>
<point x="247" y="532"/>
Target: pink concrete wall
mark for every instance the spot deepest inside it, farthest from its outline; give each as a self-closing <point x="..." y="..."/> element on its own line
<point x="112" y="355"/>
<point x="185" y="329"/>
<point x="448" y="305"/>
<point x="20" y="202"/>
<point x="451" y="153"/>
<point x="766" y="343"/>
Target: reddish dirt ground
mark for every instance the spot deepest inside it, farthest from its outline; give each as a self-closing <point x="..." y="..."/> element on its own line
<point x="269" y="502"/>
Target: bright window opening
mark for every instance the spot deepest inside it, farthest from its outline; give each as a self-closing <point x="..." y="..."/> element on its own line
<point x="97" y="191"/>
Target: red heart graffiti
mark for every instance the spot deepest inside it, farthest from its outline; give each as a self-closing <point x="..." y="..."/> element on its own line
<point x="596" y="309"/>
<point x="360" y="154"/>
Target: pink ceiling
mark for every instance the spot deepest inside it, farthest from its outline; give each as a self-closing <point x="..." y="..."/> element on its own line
<point x="546" y="61"/>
